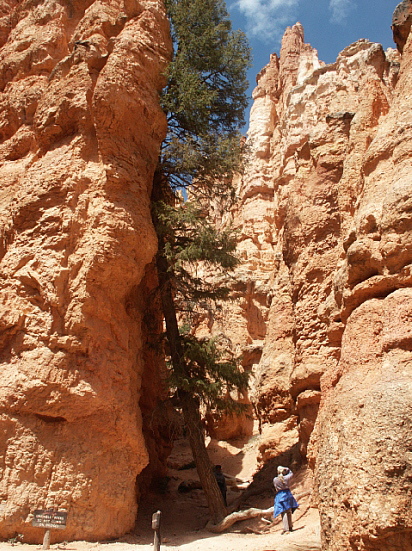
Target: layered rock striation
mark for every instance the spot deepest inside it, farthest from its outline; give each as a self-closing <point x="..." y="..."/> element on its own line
<point x="310" y="125"/>
<point x="324" y="290"/>
<point x="80" y="129"/>
<point x="321" y="300"/>
<point x="363" y="438"/>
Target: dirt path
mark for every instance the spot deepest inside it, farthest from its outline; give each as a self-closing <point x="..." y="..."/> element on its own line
<point x="184" y="515"/>
<point x="304" y="538"/>
<point x="183" y="522"/>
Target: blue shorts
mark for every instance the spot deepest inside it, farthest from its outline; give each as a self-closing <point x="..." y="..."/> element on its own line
<point x="284" y="500"/>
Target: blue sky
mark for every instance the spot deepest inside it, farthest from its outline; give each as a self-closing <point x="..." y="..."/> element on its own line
<point x="330" y="25"/>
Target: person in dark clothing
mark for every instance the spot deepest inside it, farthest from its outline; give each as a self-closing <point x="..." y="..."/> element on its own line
<point x="221" y="481"/>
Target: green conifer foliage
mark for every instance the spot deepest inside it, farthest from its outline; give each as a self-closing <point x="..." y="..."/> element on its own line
<point x="204" y="101"/>
<point x="205" y="96"/>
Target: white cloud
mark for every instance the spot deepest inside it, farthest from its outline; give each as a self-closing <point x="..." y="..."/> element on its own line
<point x="267" y="19"/>
<point x="340" y="9"/>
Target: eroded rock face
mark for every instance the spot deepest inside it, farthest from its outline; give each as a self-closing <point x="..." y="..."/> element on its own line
<point x="324" y="319"/>
<point x="363" y="435"/>
<point x="310" y="125"/>
<point x="80" y="128"/>
<point x="363" y="464"/>
<point x="401" y="23"/>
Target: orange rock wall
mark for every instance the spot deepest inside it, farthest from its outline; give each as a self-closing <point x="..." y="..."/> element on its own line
<point x="363" y="439"/>
<point x="323" y="308"/>
<point x="80" y="128"/>
<point x="310" y="126"/>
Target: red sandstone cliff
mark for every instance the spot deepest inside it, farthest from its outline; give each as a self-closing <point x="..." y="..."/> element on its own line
<point x="80" y="128"/>
<point x="323" y="306"/>
<point x="322" y="299"/>
<point x="363" y="439"/>
<point x="310" y="125"/>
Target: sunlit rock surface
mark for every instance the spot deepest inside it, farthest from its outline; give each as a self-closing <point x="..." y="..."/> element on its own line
<point x="310" y="126"/>
<point x="323" y="303"/>
<point x="363" y="438"/>
<point x="80" y="128"/>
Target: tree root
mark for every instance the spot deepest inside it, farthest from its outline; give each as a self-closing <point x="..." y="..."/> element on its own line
<point x="238" y="516"/>
<point x="247" y="514"/>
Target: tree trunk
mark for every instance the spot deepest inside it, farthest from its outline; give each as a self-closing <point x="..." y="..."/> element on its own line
<point x="189" y="405"/>
<point x="204" y="466"/>
<point x="246" y="514"/>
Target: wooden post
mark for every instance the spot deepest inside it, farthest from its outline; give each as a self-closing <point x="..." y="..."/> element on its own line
<point x="46" y="539"/>
<point x="156" y="527"/>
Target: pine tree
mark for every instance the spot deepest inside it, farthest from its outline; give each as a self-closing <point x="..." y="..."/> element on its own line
<point x="205" y="96"/>
<point x="204" y="101"/>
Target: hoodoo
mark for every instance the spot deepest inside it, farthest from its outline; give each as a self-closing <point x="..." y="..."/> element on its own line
<point x="323" y="290"/>
<point x="80" y="132"/>
<point x="322" y="296"/>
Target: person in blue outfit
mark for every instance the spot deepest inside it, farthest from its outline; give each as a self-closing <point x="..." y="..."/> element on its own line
<point x="285" y="504"/>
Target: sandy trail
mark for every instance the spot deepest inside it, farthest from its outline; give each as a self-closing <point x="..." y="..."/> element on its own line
<point x="304" y="538"/>
<point x="184" y="515"/>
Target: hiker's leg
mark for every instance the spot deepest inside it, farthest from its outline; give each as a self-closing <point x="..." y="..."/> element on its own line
<point x="289" y="517"/>
<point x="285" y="520"/>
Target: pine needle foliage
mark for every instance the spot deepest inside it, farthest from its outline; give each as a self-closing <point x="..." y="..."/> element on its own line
<point x="204" y="102"/>
<point x="191" y="244"/>
<point x="205" y="96"/>
<point x="211" y="375"/>
<point x="190" y="238"/>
